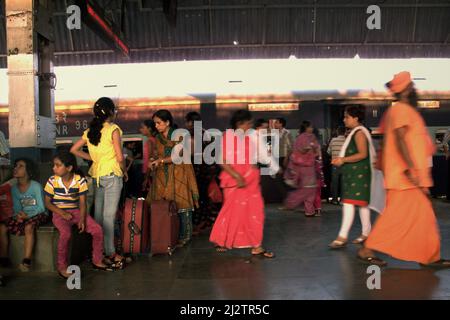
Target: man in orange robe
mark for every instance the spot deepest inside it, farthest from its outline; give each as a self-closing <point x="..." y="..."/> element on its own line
<point x="407" y="228"/>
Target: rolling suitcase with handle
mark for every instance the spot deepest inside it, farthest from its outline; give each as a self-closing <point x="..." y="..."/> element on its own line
<point x="164" y="227"/>
<point x="135" y="226"/>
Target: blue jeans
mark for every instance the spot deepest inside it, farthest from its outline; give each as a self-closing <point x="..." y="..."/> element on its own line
<point x="107" y="196"/>
<point x="185" y="217"/>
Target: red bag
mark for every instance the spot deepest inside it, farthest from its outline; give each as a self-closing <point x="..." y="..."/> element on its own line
<point x="214" y="192"/>
<point x="6" y="203"/>
<point x="165" y="227"/>
<point x="135" y="226"/>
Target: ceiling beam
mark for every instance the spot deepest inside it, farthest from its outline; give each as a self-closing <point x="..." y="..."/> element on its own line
<point x="287" y="6"/>
<point x="275" y="45"/>
<point x="264" y="23"/>
<point x="210" y="23"/>
<point x="413" y="36"/>
<point x="314" y="22"/>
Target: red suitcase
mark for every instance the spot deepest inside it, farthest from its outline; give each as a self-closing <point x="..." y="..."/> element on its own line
<point x="165" y="227"/>
<point x="135" y="226"/>
<point x="6" y="202"/>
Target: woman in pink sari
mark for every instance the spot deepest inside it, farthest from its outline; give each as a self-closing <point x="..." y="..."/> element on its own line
<point x="301" y="171"/>
<point x="240" y="222"/>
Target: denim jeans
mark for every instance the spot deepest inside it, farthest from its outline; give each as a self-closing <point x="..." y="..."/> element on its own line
<point x="185" y="217"/>
<point x="107" y="196"/>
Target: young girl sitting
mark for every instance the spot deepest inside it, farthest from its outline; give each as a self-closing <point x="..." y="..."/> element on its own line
<point x="65" y="196"/>
<point x="29" y="210"/>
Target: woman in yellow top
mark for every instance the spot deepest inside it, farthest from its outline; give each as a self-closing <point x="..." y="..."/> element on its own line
<point x="103" y="139"/>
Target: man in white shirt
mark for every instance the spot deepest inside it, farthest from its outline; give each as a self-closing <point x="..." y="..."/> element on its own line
<point x="333" y="149"/>
<point x="286" y="142"/>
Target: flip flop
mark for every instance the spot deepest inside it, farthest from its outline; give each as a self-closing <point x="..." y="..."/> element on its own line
<point x="372" y="261"/>
<point x="264" y="254"/>
<point x="63" y="276"/>
<point x="359" y="240"/>
<point x="337" y="244"/>
<point x="437" y="264"/>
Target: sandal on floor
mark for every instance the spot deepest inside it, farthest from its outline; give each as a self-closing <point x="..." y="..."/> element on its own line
<point x="64" y="276"/>
<point x="105" y="268"/>
<point x="372" y="260"/>
<point x="360" y="240"/>
<point x="116" y="264"/>
<point x="264" y="254"/>
<point x="437" y="264"/>
<point x="337" y="244"/>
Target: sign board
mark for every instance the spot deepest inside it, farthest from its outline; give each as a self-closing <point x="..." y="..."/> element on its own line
<point x="273" y="106"/>
<point x="427" y="104"/>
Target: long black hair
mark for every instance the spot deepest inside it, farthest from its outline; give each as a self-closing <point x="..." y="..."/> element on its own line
<point x="412" y="97"/>
<point x="30" y="167"/>
<point x="103" y="109"/>
<point x="68" y="159"/>
<point x="164" y="115"/>
<point x="305" y="125"/>
<point x="150" y="124"/>
<point x="356" y="111"/>
<point x="240" y="116"/>
<point x="193" y="116"/>
<point x="260" y="122"/>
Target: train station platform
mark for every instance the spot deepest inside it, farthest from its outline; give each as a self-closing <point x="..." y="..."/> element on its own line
<point x="304" y="268"/>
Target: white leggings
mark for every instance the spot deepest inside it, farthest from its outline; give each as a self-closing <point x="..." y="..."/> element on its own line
<point x="348" y="214"/>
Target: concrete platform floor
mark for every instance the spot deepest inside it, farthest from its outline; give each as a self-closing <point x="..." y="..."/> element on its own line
<point x="303" y="269"/>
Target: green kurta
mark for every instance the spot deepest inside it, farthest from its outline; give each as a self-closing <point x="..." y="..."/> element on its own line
<point x="356" y="178"/>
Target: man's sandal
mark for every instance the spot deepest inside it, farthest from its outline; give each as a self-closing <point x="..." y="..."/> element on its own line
<point x="437" y="264"/>
<point x="372" y="261"/>
<point x="337" y="244"/>
<point x="360" y="240"/>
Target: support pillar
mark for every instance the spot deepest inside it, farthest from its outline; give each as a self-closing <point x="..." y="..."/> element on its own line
<point x="30" y="48"/>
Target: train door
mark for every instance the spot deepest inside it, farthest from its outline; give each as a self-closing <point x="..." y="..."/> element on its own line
<point x="335" y="117"/>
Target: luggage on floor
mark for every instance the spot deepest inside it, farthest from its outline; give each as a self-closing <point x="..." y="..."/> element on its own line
<point x="6" y="202"/>
<point x="164" y="227"/>
<point x="135" y="226"/>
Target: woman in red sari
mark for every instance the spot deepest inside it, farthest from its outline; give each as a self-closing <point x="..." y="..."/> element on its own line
<point x="240" y="222"/>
